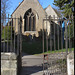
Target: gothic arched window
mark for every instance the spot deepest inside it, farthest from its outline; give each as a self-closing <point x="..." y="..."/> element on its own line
<point x="30" y="21"/>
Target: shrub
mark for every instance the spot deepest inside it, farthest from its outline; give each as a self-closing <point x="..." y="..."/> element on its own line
<point x="6" y="33"/>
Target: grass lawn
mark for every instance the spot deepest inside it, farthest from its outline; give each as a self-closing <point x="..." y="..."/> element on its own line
<point x="36" y="48"/>
<point x="57" y="51"/>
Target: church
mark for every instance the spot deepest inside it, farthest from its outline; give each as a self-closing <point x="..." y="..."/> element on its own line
<point x="32" y="14"/>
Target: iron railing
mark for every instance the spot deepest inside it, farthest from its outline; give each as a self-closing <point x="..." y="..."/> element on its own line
<point x="55" y="47"/>
<point x="53" y="44"/>
<point x="11" y="34"/>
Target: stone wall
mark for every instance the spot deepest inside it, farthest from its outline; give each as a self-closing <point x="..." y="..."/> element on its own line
<point x="9" y="64"/>
<point x="70" y="63"/>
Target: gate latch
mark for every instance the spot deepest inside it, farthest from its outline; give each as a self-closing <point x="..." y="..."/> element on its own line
<point x="45" y="56"/>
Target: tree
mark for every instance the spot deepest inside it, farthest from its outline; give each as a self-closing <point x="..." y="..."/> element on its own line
<point x="4" y="7"/>
<point x="6" y="33"/>
<point x="66" y="6"/>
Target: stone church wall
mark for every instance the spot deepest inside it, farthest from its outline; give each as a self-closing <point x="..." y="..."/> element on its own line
<point x="36" y="7"/>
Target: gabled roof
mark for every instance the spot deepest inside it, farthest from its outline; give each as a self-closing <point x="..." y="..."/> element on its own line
<point x="46" y="7"/>
<point x="20" y="4"/>
<point x="17" y="7"/>
<point x="58" y="14"/>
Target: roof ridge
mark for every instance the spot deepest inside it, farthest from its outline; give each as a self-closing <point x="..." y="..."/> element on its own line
<point x="17" y="7"/>
<point x="56" y="11"/>
<point x="21" y="3"/>
<point x="47" y="7"/>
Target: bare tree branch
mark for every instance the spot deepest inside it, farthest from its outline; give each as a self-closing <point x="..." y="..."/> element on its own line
<point x="5" y="5"/>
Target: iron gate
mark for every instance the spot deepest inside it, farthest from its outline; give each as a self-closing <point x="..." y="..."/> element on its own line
<point x="11" y="39"/>
<point x="57" y="44"/>
<point x="11" y="35"/>
<point x="54" y="60"/>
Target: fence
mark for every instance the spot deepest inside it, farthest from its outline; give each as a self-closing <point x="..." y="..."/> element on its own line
<point x="11" y="40"/>
<point x="58" y="41"/>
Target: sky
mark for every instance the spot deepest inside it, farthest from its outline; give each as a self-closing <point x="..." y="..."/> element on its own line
<point x="15" y="3"/>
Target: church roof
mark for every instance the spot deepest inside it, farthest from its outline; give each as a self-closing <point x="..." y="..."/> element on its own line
<point x="17" y="7"/>
<point x="58" y="14"/>
<point x="20" y="4"/>
<point x="44" y="9"/>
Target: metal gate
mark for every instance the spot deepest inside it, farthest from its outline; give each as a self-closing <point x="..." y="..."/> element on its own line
<point x="57" y="43"/>
<point x="11" y="39"/>
<point x="11" y="34"/>
<point x="55" y="49"/>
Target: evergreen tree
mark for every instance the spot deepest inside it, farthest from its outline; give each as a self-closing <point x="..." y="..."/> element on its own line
<point x="66" y="6"/>
<point x="67" y="10"/>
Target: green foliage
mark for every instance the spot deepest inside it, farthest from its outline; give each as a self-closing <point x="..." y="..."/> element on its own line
<point x="65" y="5"/>
<point x="32" y="47"/>
<point x="58" y="51"/>
<point x="70" y="30"/>
<point x="6" y="33"/>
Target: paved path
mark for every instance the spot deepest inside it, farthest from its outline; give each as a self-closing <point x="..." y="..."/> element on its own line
<point x="33" y="65"/>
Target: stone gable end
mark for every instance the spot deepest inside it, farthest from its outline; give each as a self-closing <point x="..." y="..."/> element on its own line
<point x="36" y="7"/>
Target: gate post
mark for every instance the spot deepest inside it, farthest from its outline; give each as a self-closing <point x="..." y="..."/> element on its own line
<point x="66" y="45"/>
<point x="20" y="46"/>
<point x="66" y="42"/>
<point x="21" y="39"/>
